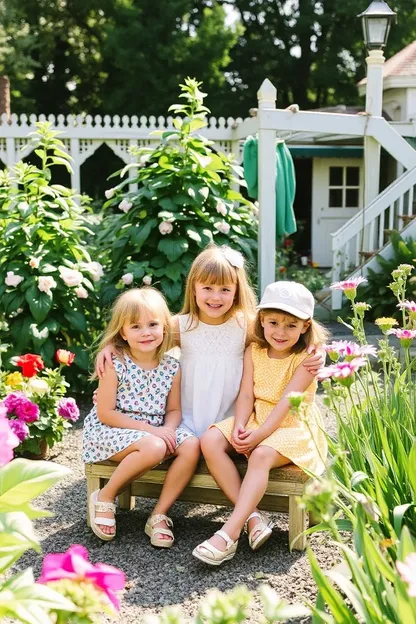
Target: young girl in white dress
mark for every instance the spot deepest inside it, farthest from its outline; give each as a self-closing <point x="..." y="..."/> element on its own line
<point x="212" y="331"/>
<point x="136" y="420"/>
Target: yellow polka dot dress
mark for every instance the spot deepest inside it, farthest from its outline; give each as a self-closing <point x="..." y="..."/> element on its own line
<point x="302" y="440"/>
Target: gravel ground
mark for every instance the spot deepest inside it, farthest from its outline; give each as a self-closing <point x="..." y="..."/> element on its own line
<point x="155" y="577"/>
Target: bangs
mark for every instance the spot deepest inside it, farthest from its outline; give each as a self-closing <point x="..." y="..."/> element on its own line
<point x="216" y="271"/>
<point x="131" y="309"/>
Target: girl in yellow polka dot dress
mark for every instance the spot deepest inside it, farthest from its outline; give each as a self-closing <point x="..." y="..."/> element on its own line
<point x="264" y="429"/>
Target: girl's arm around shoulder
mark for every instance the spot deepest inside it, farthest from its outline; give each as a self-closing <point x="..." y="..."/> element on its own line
<point x="173" y="404"/>
<point x="104" y="360"/>
<point x="106" y="404"/>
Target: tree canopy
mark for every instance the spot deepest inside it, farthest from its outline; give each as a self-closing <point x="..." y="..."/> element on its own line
<point x="128" y="56"/>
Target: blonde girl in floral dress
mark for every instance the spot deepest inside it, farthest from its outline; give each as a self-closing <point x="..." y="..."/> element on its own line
<point x="136" y="420"/>
<point x="263" y="428"/>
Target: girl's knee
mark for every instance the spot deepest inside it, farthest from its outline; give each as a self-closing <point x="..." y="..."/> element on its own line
<point x="191" y="448"/>
<point x="211" y="441"/>
<point x="262" y="455"/>
<point x="154" y="446"/>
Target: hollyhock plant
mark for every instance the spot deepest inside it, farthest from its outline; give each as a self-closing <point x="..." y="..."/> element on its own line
<point x="74" y="565"/>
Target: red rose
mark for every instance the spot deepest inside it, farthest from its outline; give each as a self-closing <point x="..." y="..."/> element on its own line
<point x="30" y="364"/>
<point x="288" y="243"/>
<point x="65" y="357"/>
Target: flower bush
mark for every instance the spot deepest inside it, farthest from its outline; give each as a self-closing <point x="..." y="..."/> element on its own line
<point x="35" y="404"/>
<point x="185" y="198"/>
<point x="48" y="280"/>
<point x="70" y="589"/>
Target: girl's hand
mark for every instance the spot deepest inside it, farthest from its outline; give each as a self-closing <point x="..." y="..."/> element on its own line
<point x="94" y="396"/>
<point x="103" y="358"/>
<point x="167" y="435"/>
<point x="239" y="434"/>
<point x="316" y="361"/>
<point x="251" y="440"/>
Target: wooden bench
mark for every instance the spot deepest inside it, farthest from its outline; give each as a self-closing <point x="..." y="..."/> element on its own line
<point x="285" y="484"/>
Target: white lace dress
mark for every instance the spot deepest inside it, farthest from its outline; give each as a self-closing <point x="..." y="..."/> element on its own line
<point x="212" y="366"/>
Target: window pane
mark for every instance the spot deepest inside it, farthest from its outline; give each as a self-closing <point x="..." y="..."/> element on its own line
<point x="335" y="198"/>
<point x="352" y="198"/>
<point x="353" y="176"/>
<point x="335" y="176"/>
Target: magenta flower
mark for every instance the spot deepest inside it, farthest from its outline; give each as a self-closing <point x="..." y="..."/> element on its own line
<point x="408" y="305"/>
<point x="349" y="286"/>
<point x="8" y="439"/>
<point x="14" y="400"/>
<point x="341" y="370"/>
<point x="407" y="571"/>
<point x="20" y="428"/>
<point x="404" y="335"/>
<point x="74" y="565"/>
<point x="67" y="408"/>
<point x="28" y="411"/>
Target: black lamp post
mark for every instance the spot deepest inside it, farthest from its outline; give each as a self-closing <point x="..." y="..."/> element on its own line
<point x="376" y="20"/>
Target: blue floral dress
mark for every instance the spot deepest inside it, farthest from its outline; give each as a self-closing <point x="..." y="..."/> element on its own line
<point x="142" y="395"/>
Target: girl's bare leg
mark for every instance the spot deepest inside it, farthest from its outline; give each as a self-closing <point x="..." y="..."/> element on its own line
<point x="261" y="461"/>
<point x="135" y="460"/>
<point x="216" y="450"/>
<point x="179" y="474"/>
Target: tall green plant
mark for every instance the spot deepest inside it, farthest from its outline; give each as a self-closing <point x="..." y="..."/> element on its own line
<point x="47" y="276"/>
<point x="186" y="197"/>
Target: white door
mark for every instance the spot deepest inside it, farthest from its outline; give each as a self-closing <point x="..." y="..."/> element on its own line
<point x="337" y="194"/>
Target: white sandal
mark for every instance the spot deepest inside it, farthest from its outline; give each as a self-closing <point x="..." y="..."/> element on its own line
<point x="261" y="532"/>
<point x="213" y="556"/>
<point x="151" y="530"/>
<point x="101" y="507"/>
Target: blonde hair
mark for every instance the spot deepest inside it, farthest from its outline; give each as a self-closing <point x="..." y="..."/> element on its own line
<point x="316" y="334"/>
<point x="211" y="266"/>
<point x="128" y="308"/>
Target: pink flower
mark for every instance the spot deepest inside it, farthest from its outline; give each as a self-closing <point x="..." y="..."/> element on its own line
<point x="222" y="227"/>
<point x="28" y="411"/>
<point x="109" y="193"/>
<point x="74" y="565"/>
<point x="95" y="269"/>
<point x="147" y="280"/>
<point x="14" y="400"/>
<point x="404" y="335"/>
<point x="221" y="207"/>
<point x="408" y="305"/>
<point x="81" y="292"/>
<point x="407" y="571"/>
<point x="125" y="205"/>
<point x="68" y="409"/>
<point x="165" y="228"/>
<point x="46" y="283"/>
<point x="71" y="277"/>
<point x="8" y="439"/>
<point x="34" y="263"/>
<point x="348" y="350"/>
<point x="19" y="428"/>
<point x="127" y="279"/>
<point x="341" y="370"/>
<point x="12" y="279"/>
<point x="349" y="287"/>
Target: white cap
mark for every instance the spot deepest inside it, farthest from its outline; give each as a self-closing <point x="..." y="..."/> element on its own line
<point x="290" y="297"/>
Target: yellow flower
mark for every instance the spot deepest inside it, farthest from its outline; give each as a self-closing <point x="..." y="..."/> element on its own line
<point x="385" y="323"/>
<point x="14" y="380"/>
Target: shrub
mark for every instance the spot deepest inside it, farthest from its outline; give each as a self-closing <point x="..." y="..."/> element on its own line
<point x="47" y="277"/>
<point x="377" y="293"/>
<point x="185" y="199"/>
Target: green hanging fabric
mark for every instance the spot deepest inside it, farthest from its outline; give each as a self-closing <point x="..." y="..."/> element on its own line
<point x="285" y="183"/>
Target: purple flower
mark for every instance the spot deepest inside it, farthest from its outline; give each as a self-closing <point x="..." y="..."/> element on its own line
<point x="8" y="440"/>
<point x="67" y="408"/>
<point x="19" y="428"/>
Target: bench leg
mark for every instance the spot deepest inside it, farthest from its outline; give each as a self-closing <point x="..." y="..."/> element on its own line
<point x="93" y="483"/>
<point x="297" y="524"/>
<point x="125" y="499"/>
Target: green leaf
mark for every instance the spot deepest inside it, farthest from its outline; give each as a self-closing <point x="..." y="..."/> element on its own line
<point x="140" y="234"/>
<point x="39" y="302"/>
<point x="173" y="271"/>
<point x="16" y="536"/>
<point x="173" y="248"/>
<point x="76" y="320"/>
<point x="21" y="480"/>
<point x="172" y="290"/>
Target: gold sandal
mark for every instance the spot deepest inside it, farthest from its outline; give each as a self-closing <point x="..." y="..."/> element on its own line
<point x="101" y="507"/>
<point x="207" y="553"/>
<point x="151" y="530"/>
<point x="261" y="532"/>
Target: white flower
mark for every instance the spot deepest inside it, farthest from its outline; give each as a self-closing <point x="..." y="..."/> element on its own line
<point x="12" y="279"/>
<point x="46" y="283"/>
<point x="143" y="160"/>
<point x="125" y="205"/>
<point x="147" y="280"/>
<point x="95" y="269"/>
<point x="127" y="279"/>
<point x="71" y="277"/>
<point x="234" y="257"/>
<point x="38" y="386"/>
<point x="109" y="193"/>
<point x="34" y="263"/>
<point x="222" y="227"/>
<point x="165" y="227"/>
<point x="221" y="207"/>
<point x="81" y="292"/>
